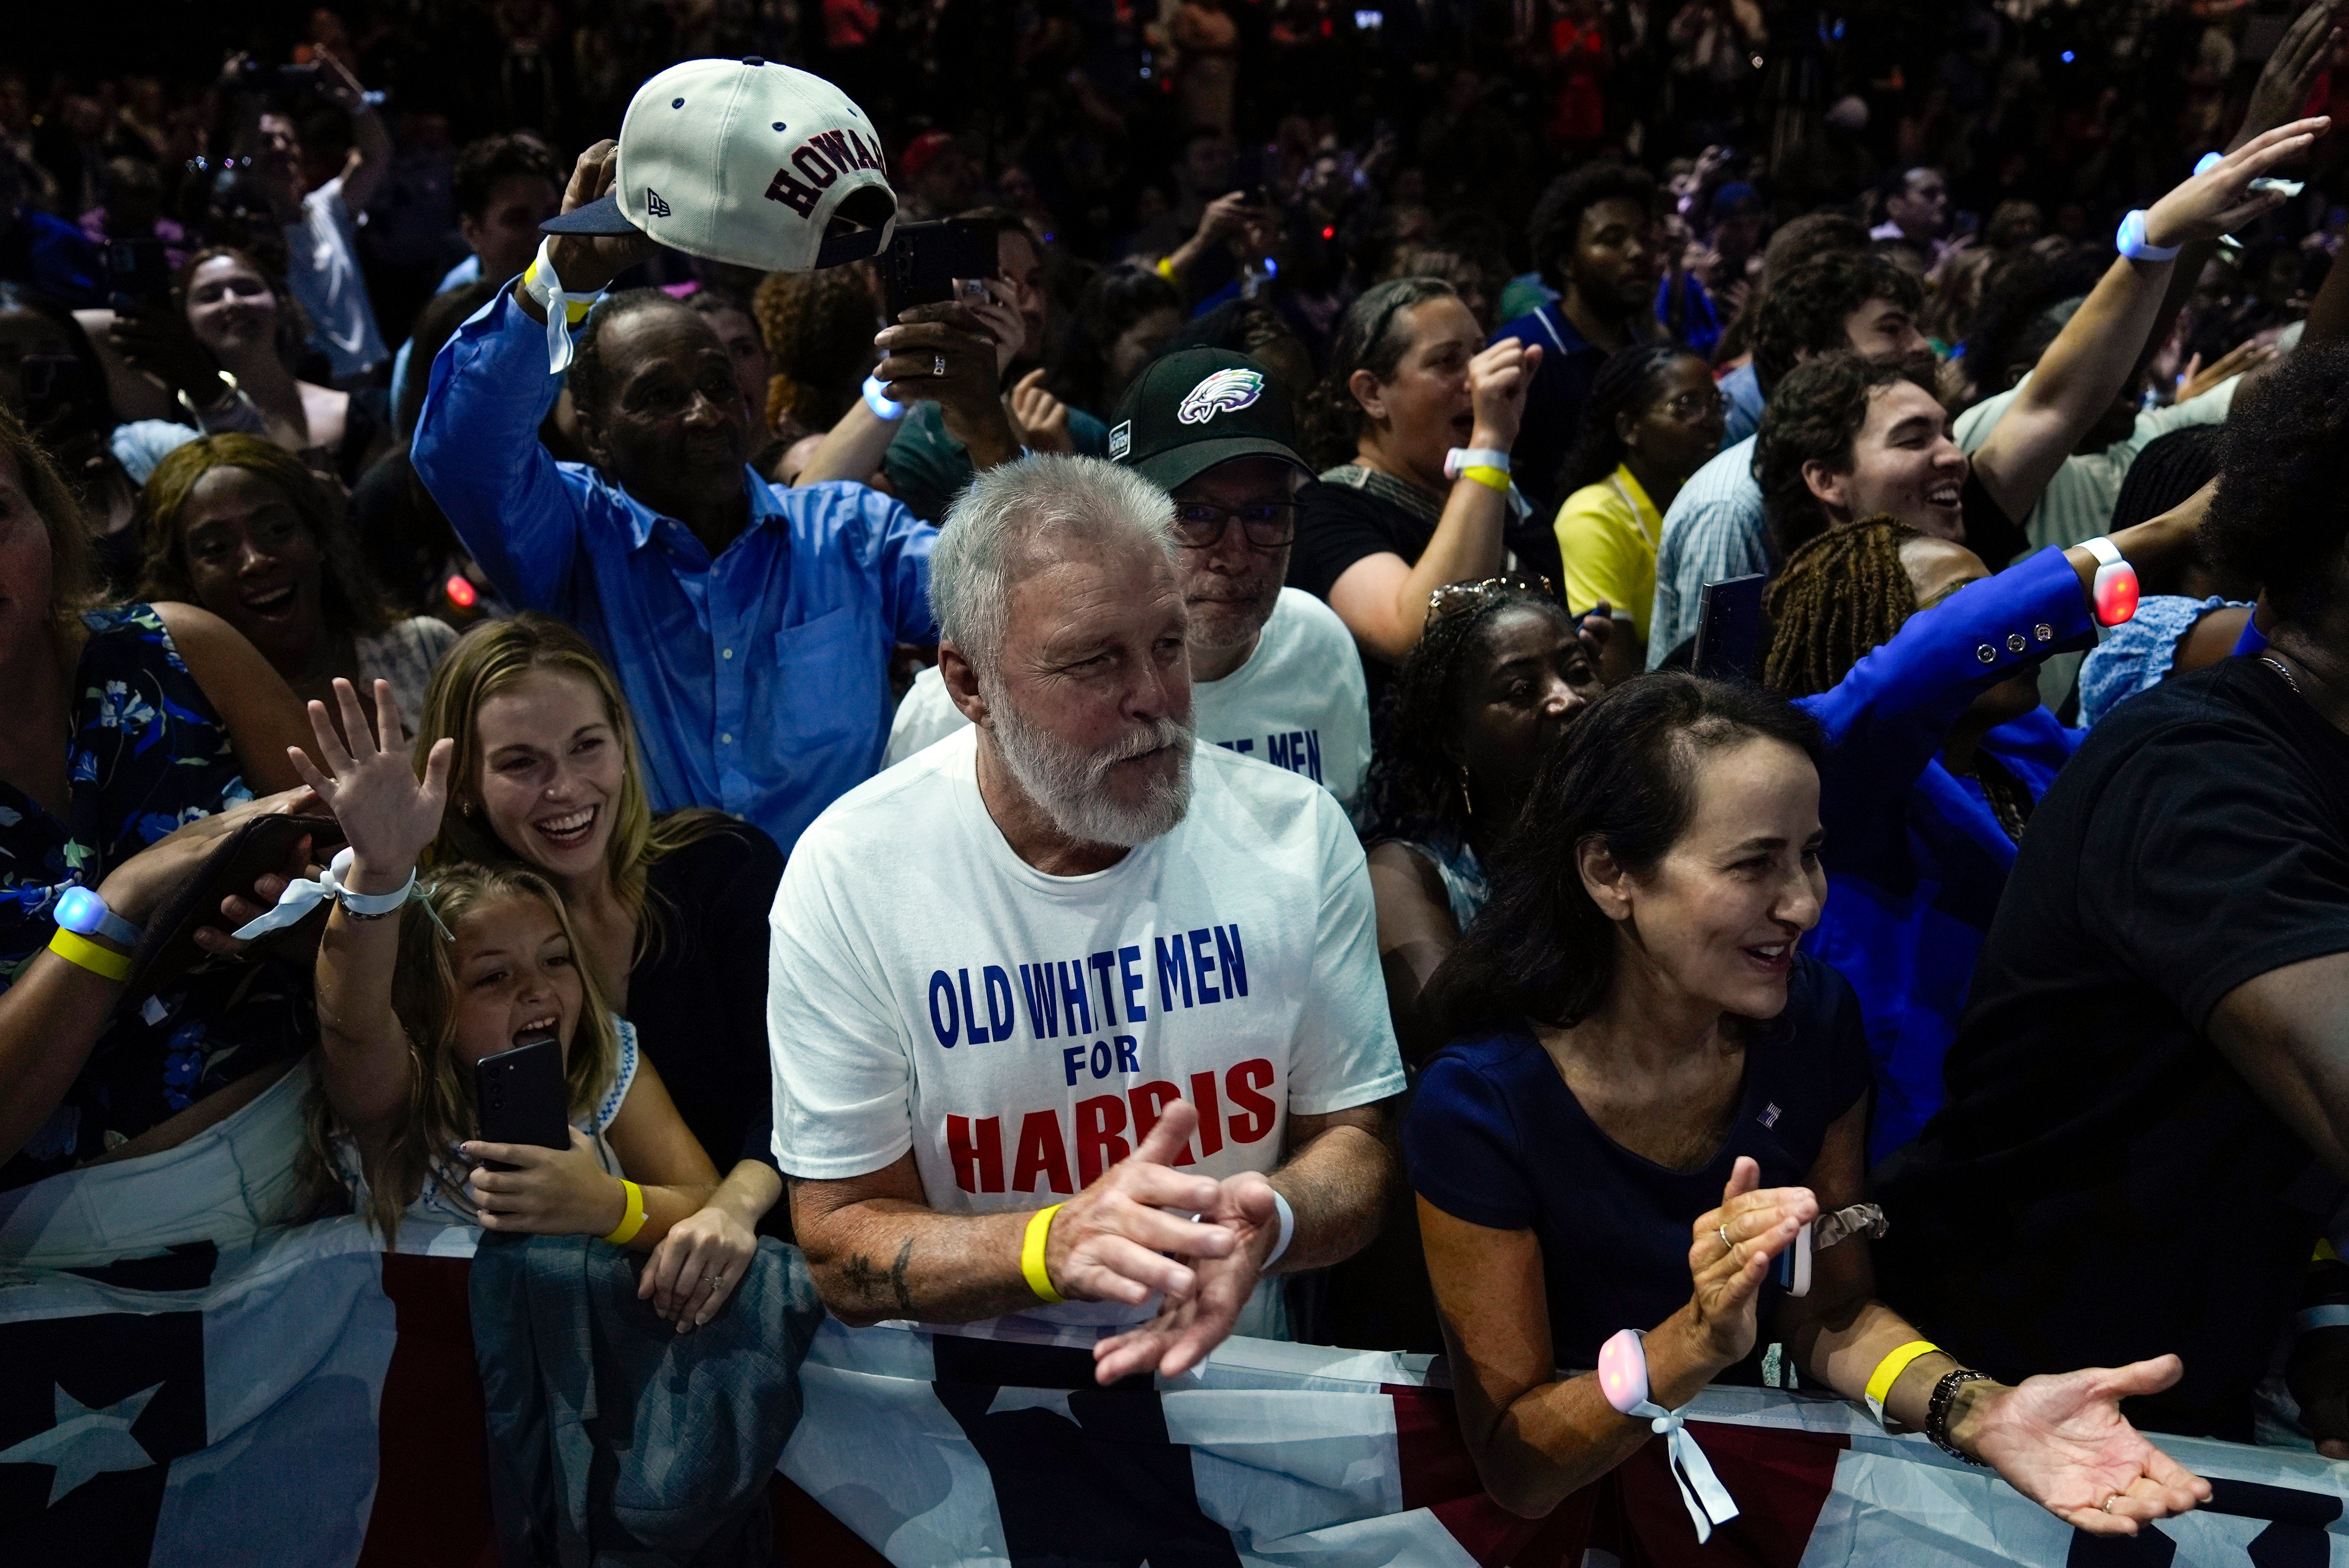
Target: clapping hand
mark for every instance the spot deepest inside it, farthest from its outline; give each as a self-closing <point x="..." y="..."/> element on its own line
<point x="1730" y="1253"/>
<point x="1188" y="1327"/>
<point x="387" y="812"/>
<point x="2063" y="1443"/>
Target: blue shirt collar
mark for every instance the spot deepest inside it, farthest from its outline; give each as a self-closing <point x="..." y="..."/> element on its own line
<point x="642" y="519"/>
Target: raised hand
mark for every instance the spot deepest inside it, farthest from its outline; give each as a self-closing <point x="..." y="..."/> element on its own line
<point x="387" y="812"/>
<point x="2061" y="1443"/>
<point x="944" y="352"/>
<point x="586" y="263"/>
<point x="2291" y="73"/>
<point x="2207" y="205"/>
<point x="1186" y="1330"/>
<point x="1759" y="1223"/>
<point x="1042" y="419"/>
<point x="1499" y="380"/>
<point x="1113" y="1241"/>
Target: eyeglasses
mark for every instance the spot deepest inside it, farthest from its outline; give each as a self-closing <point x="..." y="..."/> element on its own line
<point x="1271" y="525"/>
<point x="1454" y="597"/>
<point x="1689" y="406"/>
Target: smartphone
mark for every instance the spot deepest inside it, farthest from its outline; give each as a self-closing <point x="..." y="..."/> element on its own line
<point x="924" y="260"/>
<point x="522" y="1098"/>
<point x="1729" y="629"/>
<point x="136" y="273"/>
<point x="1794" y="1265"/>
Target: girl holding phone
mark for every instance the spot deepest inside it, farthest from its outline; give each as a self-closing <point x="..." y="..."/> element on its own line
<point x="479" y="963"/>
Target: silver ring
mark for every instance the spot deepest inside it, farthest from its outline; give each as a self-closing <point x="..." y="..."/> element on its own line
<point x="2108" y="1502"/>
<point x="937" y="364"/>
<point x="1727" y="1244"/>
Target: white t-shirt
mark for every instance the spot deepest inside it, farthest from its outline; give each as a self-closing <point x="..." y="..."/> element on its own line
<point x="321" y="268"/>
<point x="931" y="991"/>
<point x="1298" y="703"/>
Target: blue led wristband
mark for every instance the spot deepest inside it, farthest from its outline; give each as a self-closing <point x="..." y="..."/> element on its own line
<point x="83" y="913"/>
<point x="876" y="397"/>
<point x="2131" y="241"/>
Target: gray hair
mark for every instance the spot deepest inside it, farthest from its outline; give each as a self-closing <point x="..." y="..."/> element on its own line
<point x="984" y="544"/>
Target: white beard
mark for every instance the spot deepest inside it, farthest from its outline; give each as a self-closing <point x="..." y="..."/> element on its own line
<point x="1071" y="786"/>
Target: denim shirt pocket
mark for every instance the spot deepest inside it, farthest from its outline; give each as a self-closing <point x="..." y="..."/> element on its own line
<point x="832" y="671"/>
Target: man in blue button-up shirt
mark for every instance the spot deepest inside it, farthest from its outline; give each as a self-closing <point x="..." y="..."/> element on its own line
<point x="749" y="625"/>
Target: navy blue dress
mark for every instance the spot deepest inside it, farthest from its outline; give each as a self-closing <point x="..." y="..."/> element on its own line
<point x="148" y="754"/>
<point x="1494" y="1137"/>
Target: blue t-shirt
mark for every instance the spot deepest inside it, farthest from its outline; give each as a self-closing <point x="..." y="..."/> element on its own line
<point x="1495" y="1137"/>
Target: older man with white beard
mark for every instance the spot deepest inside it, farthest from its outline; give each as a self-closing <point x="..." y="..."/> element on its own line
<point x="1077" y="1024"/>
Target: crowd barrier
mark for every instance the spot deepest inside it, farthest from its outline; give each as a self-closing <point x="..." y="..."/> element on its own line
<point x="307" y="1401"/>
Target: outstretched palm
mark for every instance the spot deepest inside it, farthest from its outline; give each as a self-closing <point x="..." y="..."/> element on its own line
<point x="387" y="812"/>
<point x="2063" y="1443"/>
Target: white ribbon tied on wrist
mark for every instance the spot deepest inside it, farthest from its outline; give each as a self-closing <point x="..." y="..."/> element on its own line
<point x="302" y="895"/>
<point x="546" y="288"/>
<point x="1624" y="1378"/>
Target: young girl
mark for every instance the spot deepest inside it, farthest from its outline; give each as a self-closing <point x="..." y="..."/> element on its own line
<point x="479" y="963"/>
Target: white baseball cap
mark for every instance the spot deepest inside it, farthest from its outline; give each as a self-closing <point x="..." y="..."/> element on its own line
<point x="749" y="162"/>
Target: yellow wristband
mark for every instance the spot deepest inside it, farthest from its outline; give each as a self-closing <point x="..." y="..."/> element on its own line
<point x="1031" y="1254"/>
<point x="1166" y="270"/>
<point x="103" y="962"/>
<point x="1490" y="477"/>
<point x="575" y="311"/>
<point x="1887" y="1372"/>
<point x="634" y="1220"/>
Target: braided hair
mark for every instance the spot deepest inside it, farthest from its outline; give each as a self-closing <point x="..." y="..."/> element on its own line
<point x="1626" y="383"/>
<point x="1841" y="594"/>
<point x="1413" y="785"/>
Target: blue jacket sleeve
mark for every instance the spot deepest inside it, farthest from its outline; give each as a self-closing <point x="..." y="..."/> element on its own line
<point x="1886" y="718"/>
<point x="477" y="450"/>
<point x="905" y="542"/>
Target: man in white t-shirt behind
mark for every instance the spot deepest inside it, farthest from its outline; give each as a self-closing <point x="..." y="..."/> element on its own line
<point x="1273" y="673"/>
<point x="1069" y="978"/>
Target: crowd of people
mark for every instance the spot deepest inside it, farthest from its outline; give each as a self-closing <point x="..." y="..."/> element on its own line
<point x="1296" y="582"/>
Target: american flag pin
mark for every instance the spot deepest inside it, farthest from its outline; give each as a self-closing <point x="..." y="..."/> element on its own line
<point x="1769" y="1117"/>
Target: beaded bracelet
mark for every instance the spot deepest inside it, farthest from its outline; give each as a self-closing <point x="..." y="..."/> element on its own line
<point x="1937" y="1412"/>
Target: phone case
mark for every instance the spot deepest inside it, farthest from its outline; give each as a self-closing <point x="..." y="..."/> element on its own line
<point x="521" y="1098"/>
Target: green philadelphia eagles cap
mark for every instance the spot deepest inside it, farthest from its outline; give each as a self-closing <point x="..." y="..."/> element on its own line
<point x="1197" y="408"/>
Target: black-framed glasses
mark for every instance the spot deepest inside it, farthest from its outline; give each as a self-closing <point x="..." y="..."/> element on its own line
<point x="1454" y="597"/>
<point x="1690" y="406"/>
<point x="1267" y="525"/>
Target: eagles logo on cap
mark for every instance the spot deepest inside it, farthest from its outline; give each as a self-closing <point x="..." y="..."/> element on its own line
<point x="1222" y="393"/>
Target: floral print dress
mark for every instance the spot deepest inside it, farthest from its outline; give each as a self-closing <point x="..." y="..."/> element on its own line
<point x="148" y="754"/>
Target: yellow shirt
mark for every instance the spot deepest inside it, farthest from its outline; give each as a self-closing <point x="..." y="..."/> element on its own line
<point x="1606" y="535"/>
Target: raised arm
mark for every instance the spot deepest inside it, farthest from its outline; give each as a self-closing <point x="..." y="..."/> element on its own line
<point x="477" y="448"/>
<point x="2090" y="362"/>
<point x="389" y="814"/>
<point x="369" y="158"/>
<point x="1382" y="598"/>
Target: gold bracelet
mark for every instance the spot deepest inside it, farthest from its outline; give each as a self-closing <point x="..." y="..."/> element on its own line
<point x="1031" y="1254"/>
<point x="1490" y="477"/>
<point x="633" y="1221"/>
<point x="102" y="962"/>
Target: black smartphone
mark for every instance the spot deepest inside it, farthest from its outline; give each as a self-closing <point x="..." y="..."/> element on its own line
<point x="136" y="273"/>
<point x="1729" y="629"/>
<point x="522" y="1098"/>
<point x="923" y="259"/>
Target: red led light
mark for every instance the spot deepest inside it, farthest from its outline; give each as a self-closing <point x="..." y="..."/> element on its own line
<point x="460" y="592"/>
<point x="1330" y="231"/>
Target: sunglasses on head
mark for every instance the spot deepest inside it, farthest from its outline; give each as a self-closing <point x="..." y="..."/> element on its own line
<point x="1454" y="597"/>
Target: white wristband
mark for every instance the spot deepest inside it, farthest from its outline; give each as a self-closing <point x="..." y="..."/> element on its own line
<point x="1459" y="460"/>
<point x="303" y="895"/>
<point x="563" y="311"/>
<point x="1287" y="1230"/>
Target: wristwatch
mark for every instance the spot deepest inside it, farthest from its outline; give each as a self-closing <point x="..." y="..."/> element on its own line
<point x="82" y="912"/>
